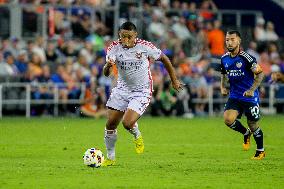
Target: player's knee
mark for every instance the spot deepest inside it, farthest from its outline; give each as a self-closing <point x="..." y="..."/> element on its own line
<point x="229" y="121"/>
<point x="111" y="125"/>
<point x="127" y="124"/>
<point x="252" y="125"/>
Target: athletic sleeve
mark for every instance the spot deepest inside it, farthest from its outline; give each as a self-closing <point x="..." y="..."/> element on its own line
<point x="223" y="70"/>
<point x="111" y="52"/>
<point x="153" y="51"/>
<point x="250" y="60"/>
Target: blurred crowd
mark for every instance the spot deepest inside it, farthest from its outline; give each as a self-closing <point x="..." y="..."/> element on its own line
<point x="92" y="3"/>
<point x="188" y="33"/>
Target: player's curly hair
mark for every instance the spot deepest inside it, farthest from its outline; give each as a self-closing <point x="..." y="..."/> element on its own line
<point x="128" y="26"/>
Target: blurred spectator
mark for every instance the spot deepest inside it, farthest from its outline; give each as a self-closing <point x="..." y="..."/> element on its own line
<point x="37" y="48"/>
<point x="83" y="66"/>
<point x="42" y="92"/>
<point x="97" y="41"/>
<point x="277" y="74"/>
<point x="273" y="53"/>
<point x="270" y="33"/>
<point x="184" y="9"/>
<point x="87" y="51"/>
<point x="216" y="38"/>
<point x="15" y="46"/>
<point x="5" y="46"/>
<point x="180" y="29"/>
<point x="156" y="29"/>
<point x="265" y="63"/>
<point x="67" y="88"/>
<point x="3" y="2"/>
<point x="166" y="101"/>
<point x="69" y="49"/>
<point x="175" y="9"/>
<point x="208" y="10"/>
<point x="192" y="17"/>
<point x="199" y="89"/>
<point x="80" y="25"/>
<point x="173" y="42"/>
<point x="7" y="66"/>
<point x="34" y="66"/>
<point x="94" y="103"/>
<point x="262" y="34"/>
<point x="22" y="62"/>
<point x="259" y="30"/>
<point x="52" y="54"/>
<point x="182" y="33"/>
<point x="252" y="50"/>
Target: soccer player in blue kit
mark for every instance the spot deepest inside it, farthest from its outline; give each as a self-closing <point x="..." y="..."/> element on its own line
<point x="243" y="75"/>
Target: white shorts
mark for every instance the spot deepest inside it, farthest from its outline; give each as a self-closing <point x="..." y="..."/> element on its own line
<point x="123" y="99"/>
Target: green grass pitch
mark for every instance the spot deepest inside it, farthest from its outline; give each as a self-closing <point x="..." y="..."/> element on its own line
<point x="179" y="153"/>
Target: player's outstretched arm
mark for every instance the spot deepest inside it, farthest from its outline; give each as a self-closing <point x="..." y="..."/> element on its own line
<point x="107" y="67"/>
<point x="258" y="77"/>
<point x="177" y="85"/>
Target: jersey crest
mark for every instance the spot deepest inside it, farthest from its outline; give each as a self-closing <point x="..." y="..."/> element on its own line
<point x="239" y="64"/>
<point x="138" y="55"/>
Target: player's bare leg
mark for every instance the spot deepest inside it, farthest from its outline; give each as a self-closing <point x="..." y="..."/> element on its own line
<point x="230" y="119"/>
<point x="113" y="119"/>
<point x="258" y="137"/>
<point x="130" y="123"/>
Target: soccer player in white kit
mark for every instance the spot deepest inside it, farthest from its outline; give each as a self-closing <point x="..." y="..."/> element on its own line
<point x="130" y="98"/>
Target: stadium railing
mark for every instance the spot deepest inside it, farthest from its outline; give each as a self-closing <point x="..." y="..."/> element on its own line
<point x="26" y="99"/>
<point x="268" y="102"/>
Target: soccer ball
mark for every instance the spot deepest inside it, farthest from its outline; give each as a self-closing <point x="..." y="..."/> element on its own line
<point x="93" y="157"/>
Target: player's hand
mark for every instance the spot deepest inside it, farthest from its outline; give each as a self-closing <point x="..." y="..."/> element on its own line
<point x="177" y="85"/>
<point x="224" y="91"/>
<point x="110" y="63"/>
<point x="248" y="93"/>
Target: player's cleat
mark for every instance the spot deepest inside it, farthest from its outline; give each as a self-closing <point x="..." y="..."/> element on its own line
<point x="246" y="143"/>
<point x="259" y="155"/>
<point x="139" y="145"/>
<point x="108" y="162"/>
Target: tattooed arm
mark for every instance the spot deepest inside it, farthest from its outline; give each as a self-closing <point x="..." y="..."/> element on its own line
<point x="258" y="77"/>
<point x="224" y="83"/>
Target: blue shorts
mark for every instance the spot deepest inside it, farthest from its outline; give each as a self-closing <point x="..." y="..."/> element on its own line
<point x="251" y="109"/>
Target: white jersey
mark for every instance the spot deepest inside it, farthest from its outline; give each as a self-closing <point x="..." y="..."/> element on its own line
<point x="133" y="63"/>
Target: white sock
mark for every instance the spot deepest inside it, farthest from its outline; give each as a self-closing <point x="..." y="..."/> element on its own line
<point x="110" y="139"/>
<point x="135" y="131"/>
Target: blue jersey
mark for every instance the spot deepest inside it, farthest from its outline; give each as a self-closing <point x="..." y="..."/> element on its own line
<point x="239" y="72"/>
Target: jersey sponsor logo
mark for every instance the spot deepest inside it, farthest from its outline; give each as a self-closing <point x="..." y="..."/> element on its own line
<point x="239" y="64"/>
<point x="235" y="73"/>
<point x="128" y="65"/>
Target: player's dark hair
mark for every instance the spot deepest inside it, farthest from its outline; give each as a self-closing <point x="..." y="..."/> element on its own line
<point x="128" y="26"/>
<point x="230" y="32"/>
